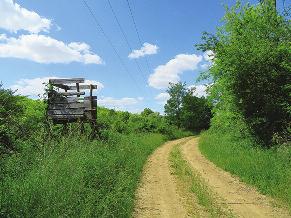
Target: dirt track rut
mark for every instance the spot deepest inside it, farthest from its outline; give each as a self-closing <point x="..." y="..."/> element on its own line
<point x="157" y="195"/>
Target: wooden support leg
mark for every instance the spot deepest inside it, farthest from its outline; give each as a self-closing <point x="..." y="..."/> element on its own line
<point x="93" y="130"/>
<point x="65" y="128"/>
<point x="82" y="128"/>
<point x="48" y="129"/>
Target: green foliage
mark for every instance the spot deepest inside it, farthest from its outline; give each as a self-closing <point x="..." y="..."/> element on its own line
<point x="10" y="109"/>
<point x="251" y="70"/>
<point x="196" y="113"/>
<point x="75" y="177"/>
<point x="20" y="119"/>
<point x="173" y="108"/>
<point x="186" y="110"/>
<point x="267" y="169"/>
<point x="147" y="121"/>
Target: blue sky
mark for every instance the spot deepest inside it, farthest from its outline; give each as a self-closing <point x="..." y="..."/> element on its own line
<point x="43" y="39"/>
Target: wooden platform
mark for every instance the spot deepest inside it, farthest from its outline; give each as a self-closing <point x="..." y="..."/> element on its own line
<point x="67" y="101"/>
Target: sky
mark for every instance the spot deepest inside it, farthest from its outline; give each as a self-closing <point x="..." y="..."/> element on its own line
<point x="82" y="38"/>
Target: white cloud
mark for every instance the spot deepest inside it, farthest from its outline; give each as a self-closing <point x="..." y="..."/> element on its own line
<point x="200" y="90"/>
<point x="14" y="18"/>
<point x="162" y="97"/>
<point x="205" y="66"/>
<point x="3" y="37"/>
<point x="123" y="104"/>
<point x="170" y="72"/>
<point x="34" y="87"/>
<point x="44" y="49"/>
<point x="146" y="49"/>
<point x="208" y="55"/>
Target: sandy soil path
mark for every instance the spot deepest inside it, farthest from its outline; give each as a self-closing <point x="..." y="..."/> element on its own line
<point x="243" y="200"/>
<point x="157" y="195"/>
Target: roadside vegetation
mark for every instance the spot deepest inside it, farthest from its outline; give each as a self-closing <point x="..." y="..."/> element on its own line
<point x="64" y="173"/>
<point x="267" y="169"/>
<point x="249" y="134"/>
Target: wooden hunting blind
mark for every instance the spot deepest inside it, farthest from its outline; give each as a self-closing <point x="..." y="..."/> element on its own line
<point x="67" y="102"/>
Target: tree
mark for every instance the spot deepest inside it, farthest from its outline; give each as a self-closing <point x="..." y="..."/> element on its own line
<point x="173" y="106"/>
<point x="186" y="110"/>
<point x="251" y="70"/>
<point x="196" y="113"/>
<point x="146" y="112"/>
<point x="273" y="2"/>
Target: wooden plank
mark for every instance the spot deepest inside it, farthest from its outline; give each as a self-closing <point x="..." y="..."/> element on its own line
<point x="70" y="105"/>
<point x="82" y="87"/>
<point x="86" y="104"/>
<point x="78" y="89"/>
<point x="91" y="91"/>
<point x="73" y="98"/>
<point x="67" y="117"/>
<point x="61" y="86"/>
<point x="90" y="97"/>
<point x="69" y="120"/>
<point x="71" y="111"/>
<point x="67" y="81"/>
<point x="91" y="115"/>
<point x="72" y="93"/>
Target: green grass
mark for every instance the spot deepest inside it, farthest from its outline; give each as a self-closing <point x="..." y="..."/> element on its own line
<point x="75" y="177"/>
<point x="267" y="169"/>
<point x="195" y="184"/>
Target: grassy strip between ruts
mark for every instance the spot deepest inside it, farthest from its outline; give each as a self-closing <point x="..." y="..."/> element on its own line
<point x="190" y="181"/>
<point x="76" y="178"/>
<point x="267" y="169"/>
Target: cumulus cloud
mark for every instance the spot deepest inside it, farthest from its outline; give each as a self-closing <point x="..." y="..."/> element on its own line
<point x="162" y="97"/>
<point x="199" y="90"/>
<point x="124" y="104"/>
<point x="44" y="49"/>
<point x="146" y="49"/>
<point x="34" y="87"/>
<point x="171" y="71"/>
<point x="14" y="18"/>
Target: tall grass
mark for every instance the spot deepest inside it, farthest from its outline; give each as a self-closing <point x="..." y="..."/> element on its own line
<point x="267" y="169"/>
<point x="74" y="177"/>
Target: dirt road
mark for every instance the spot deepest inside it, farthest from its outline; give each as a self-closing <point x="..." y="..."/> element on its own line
<point x="158" y="194"/>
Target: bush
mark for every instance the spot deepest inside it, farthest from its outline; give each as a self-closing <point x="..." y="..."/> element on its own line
<point x="251" y="69"/>
<point x="10" y="111"/>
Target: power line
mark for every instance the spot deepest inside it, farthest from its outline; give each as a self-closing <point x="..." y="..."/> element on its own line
<point x="110" y="42"/>
<point x="125" y="38"/>
<point x="136" y="30"/>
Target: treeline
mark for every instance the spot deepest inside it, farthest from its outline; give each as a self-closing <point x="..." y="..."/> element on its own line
<point x="24" y="119"/>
